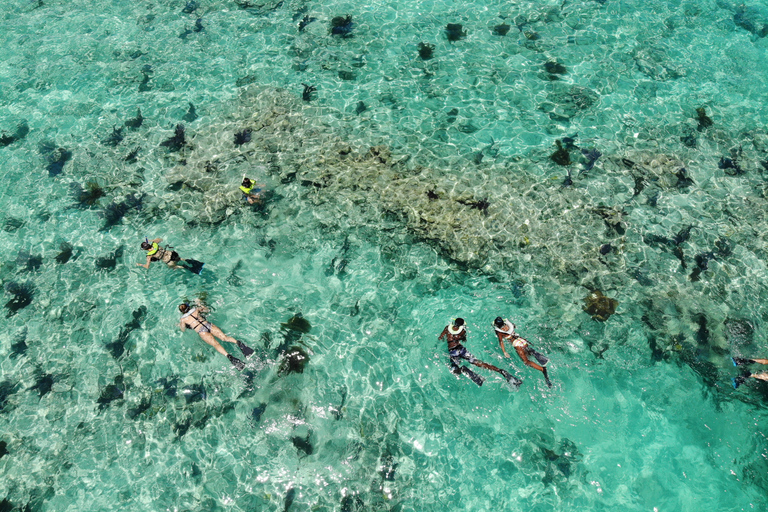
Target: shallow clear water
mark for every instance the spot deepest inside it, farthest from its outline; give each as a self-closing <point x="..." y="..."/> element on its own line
<point x="403" y="193"/>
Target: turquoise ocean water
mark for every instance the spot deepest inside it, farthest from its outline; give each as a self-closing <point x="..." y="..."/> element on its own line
<point x="412" y="175"/>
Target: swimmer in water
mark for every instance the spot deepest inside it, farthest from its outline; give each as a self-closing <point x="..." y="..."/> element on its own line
<point x="505" y="331"/>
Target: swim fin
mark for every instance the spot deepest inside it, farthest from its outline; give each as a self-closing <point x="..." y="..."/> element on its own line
<point x="194" y="266"/>
<point x="472" y="375"/>
<point x="738" y="361"/>
<point x="245" y="349"/>
<point x="236" y="362"/>
<point x="511" y="379"/>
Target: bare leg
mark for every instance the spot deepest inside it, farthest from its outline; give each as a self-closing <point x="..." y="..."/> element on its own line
<point x="220" y="334"/>
<point x="759" y="361"/>
<point x="760" y="376"/>
<point x="209" y="339"/>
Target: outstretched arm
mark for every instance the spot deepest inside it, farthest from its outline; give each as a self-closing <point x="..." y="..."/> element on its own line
<point x="443" y="334"/>
<point x="501" y="343"/>
<point x="149" y="260"/>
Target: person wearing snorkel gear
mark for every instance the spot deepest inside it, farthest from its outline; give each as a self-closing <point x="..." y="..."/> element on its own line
<point x="193" y="318"/>
<point x="454" y="335"/>
<point x="738" y="361"/>
<point x="167" y="256"/>
<point x="505" y="331"/>
<point x="251" y="191"/>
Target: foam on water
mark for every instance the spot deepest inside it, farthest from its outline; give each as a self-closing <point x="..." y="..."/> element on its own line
<point x="403" y="193"/>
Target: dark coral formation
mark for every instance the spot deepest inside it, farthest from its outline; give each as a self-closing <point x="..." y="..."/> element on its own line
<point x="425" y="50"/>
<point x="598" y="306"/>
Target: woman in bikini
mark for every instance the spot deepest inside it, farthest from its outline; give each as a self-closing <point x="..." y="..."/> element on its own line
<point x="193" y="318"/>
<point x="505" y="331"/>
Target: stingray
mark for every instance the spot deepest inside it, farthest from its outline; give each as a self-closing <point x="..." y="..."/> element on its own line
<point x="303" y="444"/>
<point x="600" y="307"/>
<point x="7" y="388"/>
<point x="169" y="385"/>
<point x="143" y="406"/>
<point x="23" y="294"/>
<point x="44" y="382"/>
<point x="258" y="411"/>
<point x="178" y="140"/>
<point x="115" y="138"/>
<point x="112" y="392"/>
<point x="194" y="393"/>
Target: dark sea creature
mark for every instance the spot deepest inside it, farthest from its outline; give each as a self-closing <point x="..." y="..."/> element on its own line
<point x="605" y="249"/>
<point x="114" y="212"/>
<point x="432" y="195"/>
<point x="501" y="30"/>
<point x="233" y="278"/>
<point x="561" y="156"/>
<point x="19" y="347"/>
<point x="56" y="158"/>
<point x="87" y="197"/>
<point x="657" y="354"/>
<point x="683" y="180"/>
<point x="682" y="235"/>
<point x="3" y="449"/>
<point x="641" y="277"/>
<point x="7" y="388"/>
<point x="452" y="115"/>
<point x="135" y="122"/>
<point x="194" y="393"/>
<point x="338" y="412"/>
<point x="342" y="26"/>
<point x="425" y="50"/>
<point x="598" y="306"/>
<point x="111" y="393"/>
<point x="360" y="108"/>
<point x="294" y="360"/>
<point x="346" y="75"/>
<point x="455" y="32"/>
<point x="554" y="67"/>
<point x="704" y="121"/>
<point x="191" y="115"/>
<point x="190" y="7"/>
<point x="66" y="253"/>
<point x="44" y="382"/>
<point x="531" y="35"/>
<point x="178" y="140"/>
<point x="352" y="503"/>
<point x="28" y="262"/>
<point x="747" y="18"/>
<point x="702" y="334"/>
<point x="146" y="71"/>
<point x="169" y="385"/>
<point x="21" y="131"/>
<point x="387" y="467"/>
<point x="305" y="21"/>
<point x="568" y="181"/>
<point x="115" y="138"/>
<point x="481" y="205"/>
<point x="289" y="497"/>
<point x="308" y="90"/>
<point x="243" y="137"/>
<point x="297" y="323"/>
<point x="11" y="224"/>
<point x="591" y="156"/>
<point x="109" y="262"/>
<point x="258" y="411"/>
<point x="23" y="294"/>
<point x="182" y="427"/>
<point x="688" y="141"/>
<point x="730" y="166"/>
<point x="132" y="156"/>
<point x="143" y="406"/>
<point x="303" y="444"/>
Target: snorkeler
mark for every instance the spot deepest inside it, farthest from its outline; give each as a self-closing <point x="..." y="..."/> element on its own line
<point x="505" y="331"/>
<point x="194" y="319"/>
<point x="454" y="335"/>
<point x="251" y="191"/>
<point x="738" y="361"/>
<point x="169" y="257"/>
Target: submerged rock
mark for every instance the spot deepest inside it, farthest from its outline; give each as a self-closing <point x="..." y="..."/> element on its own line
<point x="599" y="307"/>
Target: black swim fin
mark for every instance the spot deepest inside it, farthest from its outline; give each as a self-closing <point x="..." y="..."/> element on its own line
<point x="236" y="362"/>
<point x="245" y="349"/>
<point x="738" y="361"/>
<point x="546" y="378"/>
<point x="194" y="266"/>
<point x="472" y="375"/>
<point x="513" y="381"/>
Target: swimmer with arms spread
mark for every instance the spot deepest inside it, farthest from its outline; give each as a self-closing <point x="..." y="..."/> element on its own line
<point x="505" y="331"/>
<point x="193" y="318"/>
<point x="454" y="335"/>
<point x="738" y="361"/>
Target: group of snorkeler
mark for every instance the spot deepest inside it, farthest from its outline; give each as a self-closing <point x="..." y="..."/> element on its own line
<point x="456" y="333"/>
<point x="193" y="315"/>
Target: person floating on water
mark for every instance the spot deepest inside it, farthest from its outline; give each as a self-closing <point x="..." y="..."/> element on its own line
<point x="167" y="256"/>
<point x="193" y="318"/>
<point x="454" y="335"/>
<point x="505" y="331"/>
<point x="738" y="361"/>
<point x="252" y="191"/>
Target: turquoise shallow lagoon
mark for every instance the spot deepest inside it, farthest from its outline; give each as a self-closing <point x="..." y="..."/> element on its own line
<point x="515" y="165"/>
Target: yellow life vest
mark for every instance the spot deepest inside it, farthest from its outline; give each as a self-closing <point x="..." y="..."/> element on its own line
<point x="455" y="331"/>
<point x="247" y="191"/>
<point x="154" y="249"/>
